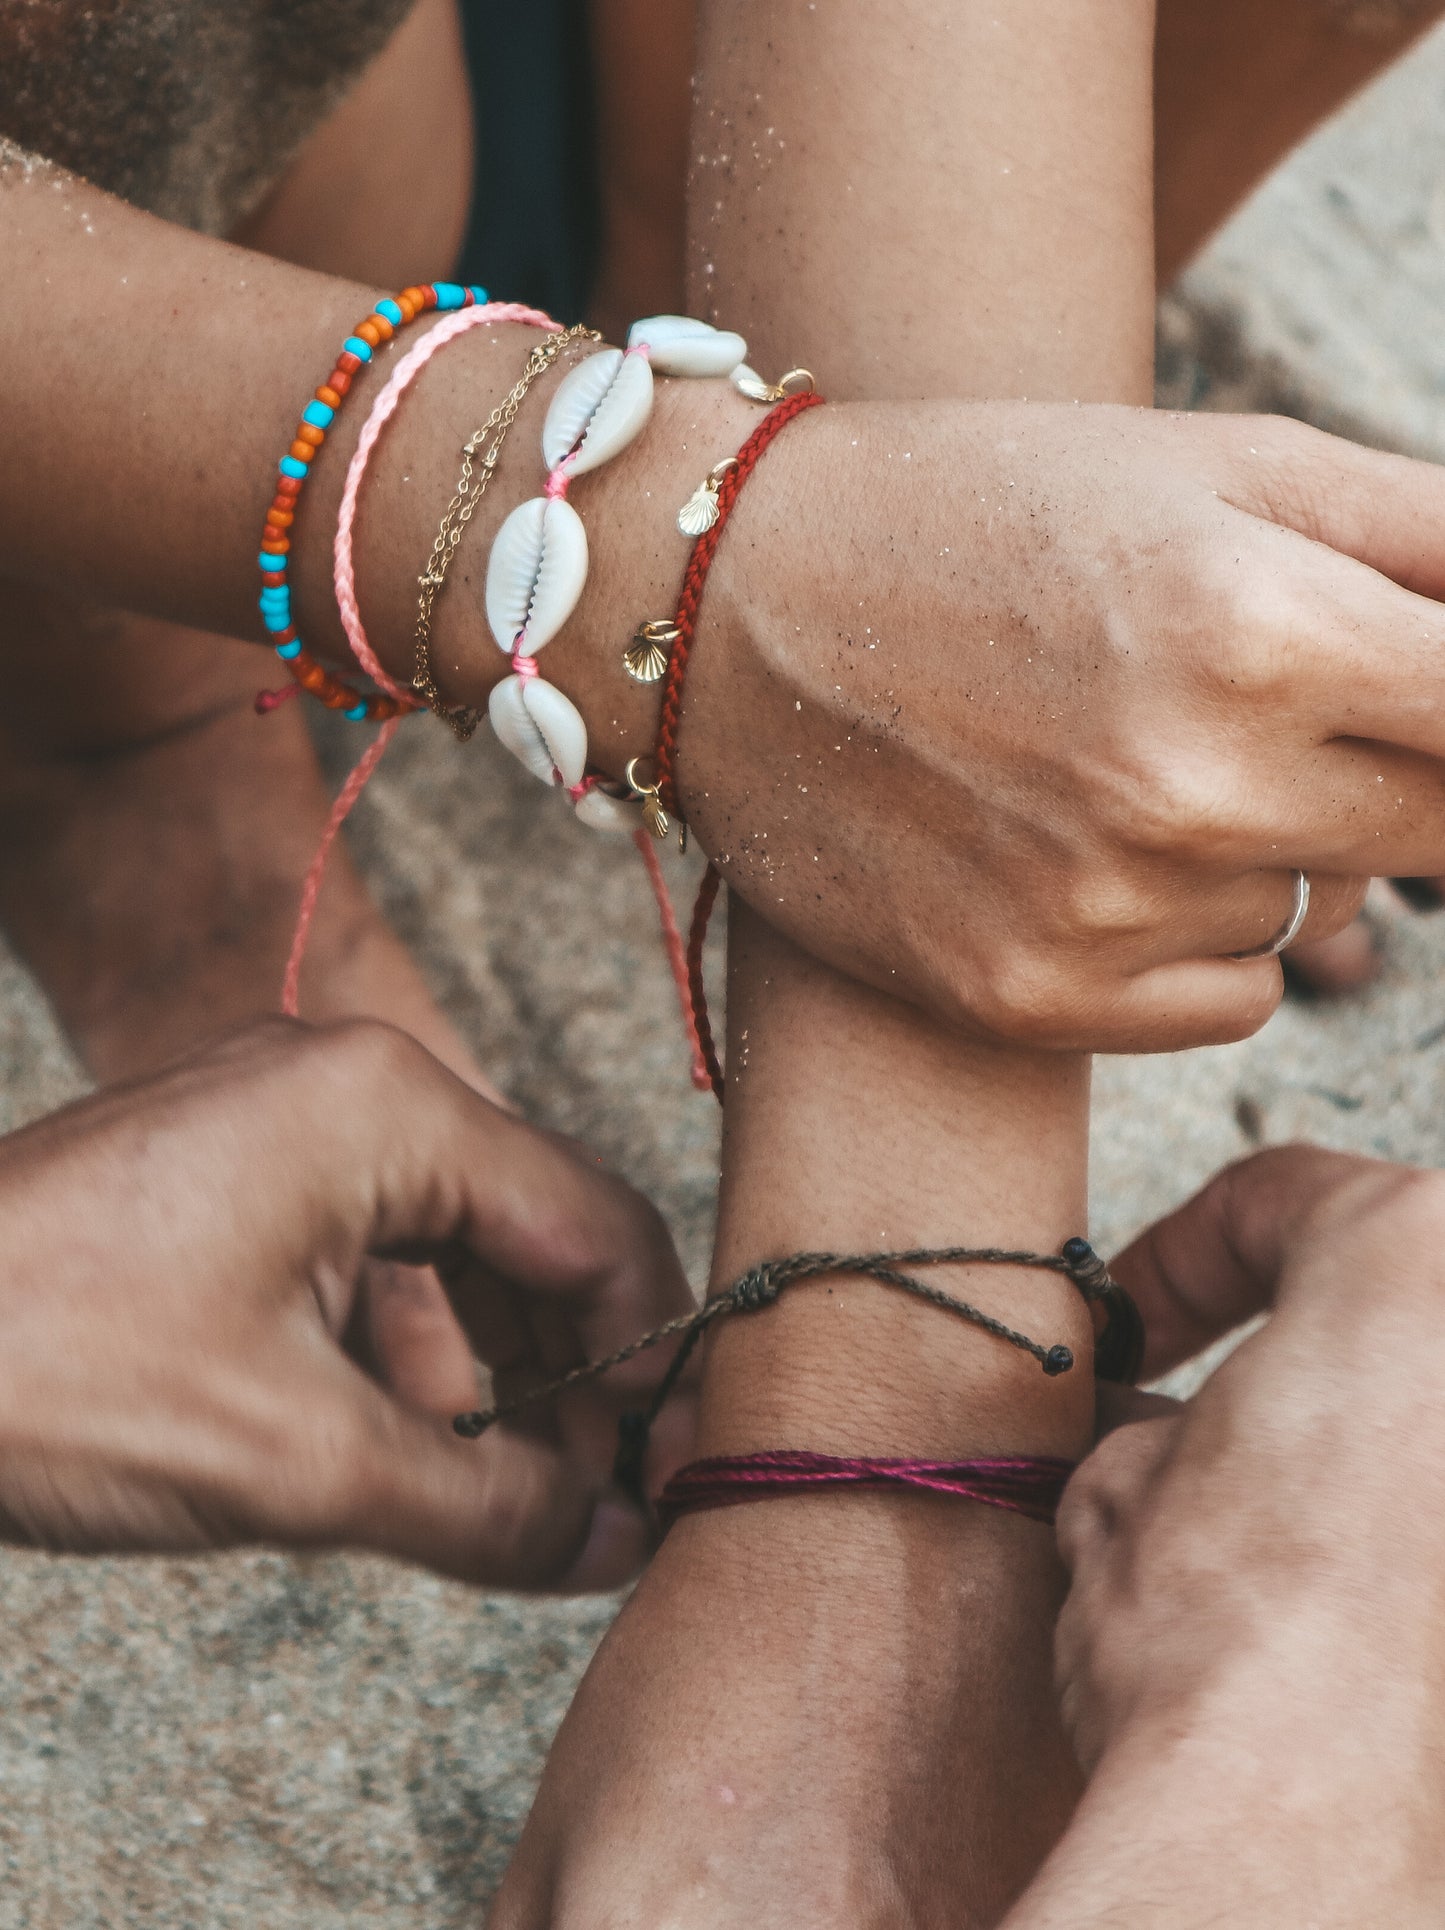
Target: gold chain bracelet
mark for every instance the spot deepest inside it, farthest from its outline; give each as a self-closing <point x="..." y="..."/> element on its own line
<point x="471" y="487"/>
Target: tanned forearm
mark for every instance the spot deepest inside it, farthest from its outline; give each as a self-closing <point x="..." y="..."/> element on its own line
<point x="923" y="202"/>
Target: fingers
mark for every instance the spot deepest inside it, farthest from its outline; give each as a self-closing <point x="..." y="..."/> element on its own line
<point x="447" y="1169"/>
<point x="534" y="1207"/>
<point x="1386" y="511"/>
<point x="417" y="1347"/>
<point x="1167" y="1009"/>
<point x="1253" y="909"/>
<point x="1216" y="1261"/>
<point x="506" y="1511"/>
<point x="1105" y="1488"/>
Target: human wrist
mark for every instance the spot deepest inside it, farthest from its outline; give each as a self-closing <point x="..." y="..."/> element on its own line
<point x="959" y="1145"/>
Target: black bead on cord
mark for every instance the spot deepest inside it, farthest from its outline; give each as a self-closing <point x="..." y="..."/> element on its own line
<point x="1118" y="1347"/>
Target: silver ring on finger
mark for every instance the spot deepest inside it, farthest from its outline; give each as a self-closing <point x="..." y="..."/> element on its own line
<point x="1290" y="930"/>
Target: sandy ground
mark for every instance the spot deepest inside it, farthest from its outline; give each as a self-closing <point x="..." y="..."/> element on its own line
<point x="335" y="1741"/>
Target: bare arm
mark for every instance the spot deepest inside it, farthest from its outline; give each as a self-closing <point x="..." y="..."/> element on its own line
<point x="868" y="1680"/>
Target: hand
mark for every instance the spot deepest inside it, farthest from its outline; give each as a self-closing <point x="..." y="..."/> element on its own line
<point x="1033" y="710"/>
<point x="179" y="1264"/>
<point x="1250" y="1652"/>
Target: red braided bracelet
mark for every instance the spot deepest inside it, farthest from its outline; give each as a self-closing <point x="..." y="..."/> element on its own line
<point x="694" y="581"/>
<point x="1024" y="1484"/>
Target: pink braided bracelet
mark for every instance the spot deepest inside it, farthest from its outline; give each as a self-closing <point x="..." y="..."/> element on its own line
<point x="382" y="410"/>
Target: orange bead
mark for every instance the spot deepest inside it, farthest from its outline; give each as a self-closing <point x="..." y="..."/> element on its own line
<point x="310" y="675"/>
<point x="275" y="545"/>
<point x="278" y="518"/>
<point x="407" y="307"/>
<point x="329" y="396"/>
<point x="308" y="432"/>
<point x="339" y="380"/>
<point x="369" y="332"/>
<point x="303" y="452"/>
<point x="412" y="295"/>
<point x="271" y="578"/>
<point x="288" y="486"/>
<point x="383" y="327"/>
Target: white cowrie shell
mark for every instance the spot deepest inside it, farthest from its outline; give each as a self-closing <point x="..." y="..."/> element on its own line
<point x="535" y="573"/>
<point x="540" y="727"/>
<point x="616" y="815"/>
<point x="680" y="345"/>
<point x="603" y="402"/>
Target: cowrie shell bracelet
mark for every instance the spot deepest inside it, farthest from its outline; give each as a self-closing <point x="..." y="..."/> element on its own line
<point x="538" y="564"/>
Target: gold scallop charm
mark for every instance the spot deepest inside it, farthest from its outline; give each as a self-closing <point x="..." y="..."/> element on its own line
<point x="646" y="657"/>
<point x="700" y="512"/>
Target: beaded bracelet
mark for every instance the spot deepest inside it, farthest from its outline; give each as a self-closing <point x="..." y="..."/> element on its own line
<point x="538" y="564"/>
<point x="307" y="674"/>
<point x="382" y="410"/>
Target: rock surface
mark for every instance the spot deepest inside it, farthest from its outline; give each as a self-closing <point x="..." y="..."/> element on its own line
<point x="329" y="1742"/>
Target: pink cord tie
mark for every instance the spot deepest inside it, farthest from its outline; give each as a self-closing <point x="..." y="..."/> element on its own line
<point x="558" y="482"/>
<point x="269" y="700"/>
<point x="524" y="666"/>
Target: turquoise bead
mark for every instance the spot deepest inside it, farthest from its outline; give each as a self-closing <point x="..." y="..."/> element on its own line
<point x="450" y="294"/>
<point x="355" y="346"/>
<point x="270" y="564"/>
<point x="318" y="415"/>
<point x="275" y="621"/>
<point x="289" y="650"/>
<point x="480" y="297"/>
<point x="357" y="713"/>
<point x="393" y="314"/>
<point x="289" y="466"/>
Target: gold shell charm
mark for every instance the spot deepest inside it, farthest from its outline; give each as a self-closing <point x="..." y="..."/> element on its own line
<point x="646" y="657"/>
<point x="699" y="513"/>
<point x="749" y="383"/>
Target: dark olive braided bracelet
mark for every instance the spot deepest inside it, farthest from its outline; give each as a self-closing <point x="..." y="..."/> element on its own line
<point x="1118" y="1347"/>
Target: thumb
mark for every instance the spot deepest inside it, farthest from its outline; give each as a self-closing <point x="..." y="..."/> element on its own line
<point x="510" y="1510"/>
<point x="1216" y="1260"/>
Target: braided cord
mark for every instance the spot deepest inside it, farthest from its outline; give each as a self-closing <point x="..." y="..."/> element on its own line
<point x="1028" y="1485"/>
<point x="762" y="1285"/>
<point x="695" y="579"/>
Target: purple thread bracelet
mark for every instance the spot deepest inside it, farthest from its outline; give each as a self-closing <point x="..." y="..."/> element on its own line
<point x="1024" y="1484"/>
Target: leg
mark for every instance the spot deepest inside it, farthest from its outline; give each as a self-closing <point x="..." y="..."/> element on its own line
<point x="1240" y="83"/>
<point x="153" y="830"/>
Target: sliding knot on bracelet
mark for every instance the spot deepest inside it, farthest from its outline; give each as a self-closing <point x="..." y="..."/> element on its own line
<point x="760" y="1286"/>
